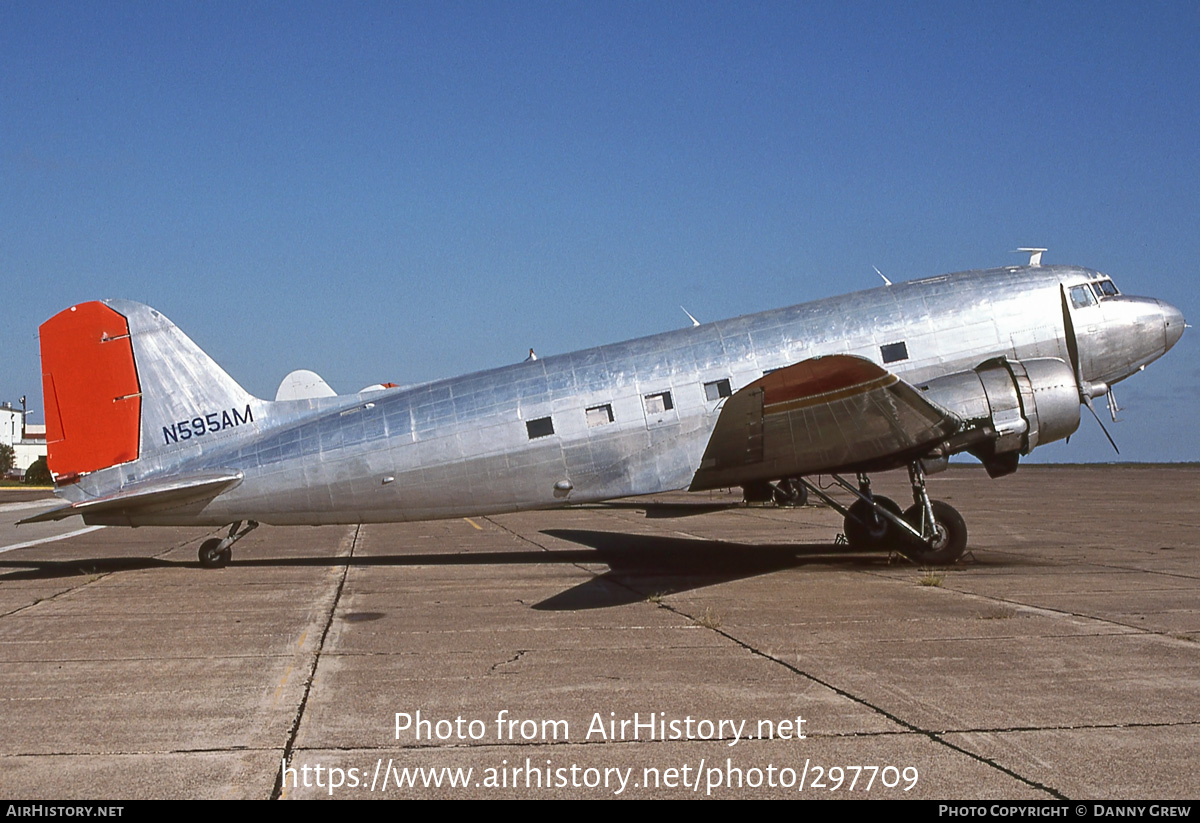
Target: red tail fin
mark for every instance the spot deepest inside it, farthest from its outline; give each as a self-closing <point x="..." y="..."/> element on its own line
<point x="90" y="385"/>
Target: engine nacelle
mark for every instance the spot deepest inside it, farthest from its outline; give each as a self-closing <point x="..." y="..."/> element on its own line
<point x="1010" y="407"/>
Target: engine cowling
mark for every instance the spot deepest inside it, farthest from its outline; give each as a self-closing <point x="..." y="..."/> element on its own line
<point x="1010" y="407"/>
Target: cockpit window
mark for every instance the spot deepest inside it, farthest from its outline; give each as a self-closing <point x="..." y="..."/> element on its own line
<point x="1082" y="296"/>
<point x="1102" y="289"/>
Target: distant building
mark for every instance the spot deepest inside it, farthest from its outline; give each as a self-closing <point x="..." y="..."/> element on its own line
<point x="28" y="440"/>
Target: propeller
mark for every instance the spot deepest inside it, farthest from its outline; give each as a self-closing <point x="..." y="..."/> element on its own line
<point x="1085" y="388"/>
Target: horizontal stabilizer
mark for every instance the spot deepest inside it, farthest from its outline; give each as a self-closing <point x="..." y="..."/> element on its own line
<point x="152" y="495"/>
<point x="303" y="384"/>
<point x="826" y="414"/>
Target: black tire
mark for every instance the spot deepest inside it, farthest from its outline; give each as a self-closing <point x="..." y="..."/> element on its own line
<point x="862" y="529"/>
<point x="212" y="556"/>
<point x="950" y="542"/>
<point x="790" y="492"/>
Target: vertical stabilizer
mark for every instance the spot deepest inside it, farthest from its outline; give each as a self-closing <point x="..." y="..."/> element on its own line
<point x="122" y="382"/>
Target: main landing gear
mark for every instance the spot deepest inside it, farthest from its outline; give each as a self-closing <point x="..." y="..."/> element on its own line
<point x="788" y="492"/>
<point x="928" y="532"/>
<point x="216" y="552"/>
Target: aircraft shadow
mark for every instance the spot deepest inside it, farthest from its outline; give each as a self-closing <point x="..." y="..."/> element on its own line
<point x="642" y="566"/>
<point x="667" y="510"/>
<point x="84" y="567"/>
<point x="639" y="566"/>
<point x="49" y="569"/>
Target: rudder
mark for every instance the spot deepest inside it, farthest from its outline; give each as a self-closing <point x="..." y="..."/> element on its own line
<point x="122" y="382"/>
<point x="90" y="387"/>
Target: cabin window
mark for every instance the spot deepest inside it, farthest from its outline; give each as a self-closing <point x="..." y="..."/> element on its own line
<point x="539" y="428"/>
<point x="599" y="415"/>
<point x="1082" y="296"/>
<point x="894" y="352"/>
<point x="717" y="389"/>
<point x="658" y="403"/>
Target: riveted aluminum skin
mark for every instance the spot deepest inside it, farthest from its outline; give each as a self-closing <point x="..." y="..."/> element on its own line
<point x="628" y="418"/>
<point x="1025" y="402"/>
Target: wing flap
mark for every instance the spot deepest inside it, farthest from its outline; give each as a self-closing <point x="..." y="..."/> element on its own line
<point x="826" y="414"/>
<point x="152" y="495"/>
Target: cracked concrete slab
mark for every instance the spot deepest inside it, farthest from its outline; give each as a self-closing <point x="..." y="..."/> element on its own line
<point x="1059" y="660"/>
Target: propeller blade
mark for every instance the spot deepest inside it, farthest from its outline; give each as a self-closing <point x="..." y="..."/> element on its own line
<point x="1085" y="394"/>
<point x="1100" y="423"/>
<point x="1072" y="342"/>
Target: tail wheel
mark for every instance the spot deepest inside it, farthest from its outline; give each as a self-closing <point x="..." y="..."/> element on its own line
<point x="212" y="555"/>
<point x="866" y="530"/>
<point x="949" y="538"/>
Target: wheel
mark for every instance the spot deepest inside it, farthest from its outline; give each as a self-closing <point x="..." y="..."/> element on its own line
<point x="950" y="538"/>
<point x="212" y="556"/>
<point x="863" y="530"/>
<point x="790" y="492"/>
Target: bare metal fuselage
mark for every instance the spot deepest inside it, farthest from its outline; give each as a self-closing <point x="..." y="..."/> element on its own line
<point x="624" y="419"/>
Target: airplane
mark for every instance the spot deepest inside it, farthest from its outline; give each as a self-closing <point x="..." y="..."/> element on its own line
<point x="144" y="428"/>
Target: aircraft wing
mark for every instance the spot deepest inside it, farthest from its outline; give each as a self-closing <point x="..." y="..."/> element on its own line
<point x="152" y="495"/>
<point x="828" y="414"/>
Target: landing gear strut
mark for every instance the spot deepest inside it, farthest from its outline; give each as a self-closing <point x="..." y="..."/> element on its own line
<point x="790" y="492"/>
<point x="216" y="552"/>
<point x="929" y="532"/>
<point x="866" y="526"/>
<point x="942" y="530"/>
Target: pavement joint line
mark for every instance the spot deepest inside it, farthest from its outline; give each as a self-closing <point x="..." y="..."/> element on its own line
<point x="759" y="513"/>
<point x="579" y="566"/>
<point x="1115" y="626"/>
<point x="1073" y="567"/>
<point x="141" y="752"/>
<point x="1136" y="570"/>
<point x="912" y="727"/>
<point x="93" y="579"/>
<point x="290" y="744"/>
<point x="934" y="736"/>
<point x="94" y="660"/>
<point x="607" y="743"/>
<point x="906" y="732"/>
<point x="53" y="538"/>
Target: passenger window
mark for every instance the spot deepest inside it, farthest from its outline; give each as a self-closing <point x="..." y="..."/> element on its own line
<point x="894" y="352"/>
<point x="717" y="389"/>
<point x="539" y="428"/>
<point x="658" y="403"/>
<point x="599" y="415"/>
<point x="1082" y="296"/>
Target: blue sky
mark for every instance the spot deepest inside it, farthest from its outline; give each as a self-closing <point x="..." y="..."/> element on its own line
<point x="406" y="191"/>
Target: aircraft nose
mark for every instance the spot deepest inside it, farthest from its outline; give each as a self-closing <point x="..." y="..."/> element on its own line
<point x="1172" y="323"/>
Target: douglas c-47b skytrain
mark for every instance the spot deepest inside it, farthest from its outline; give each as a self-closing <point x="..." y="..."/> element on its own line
<point x="144" y="429"/>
